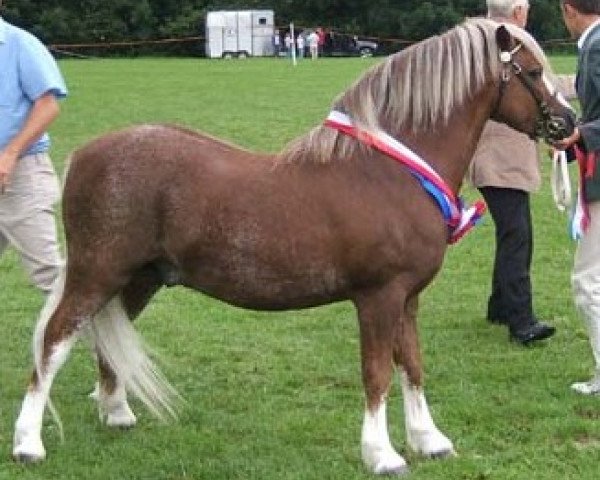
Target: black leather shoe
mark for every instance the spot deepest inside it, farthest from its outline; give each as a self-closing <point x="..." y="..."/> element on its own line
<point x="532" y="333"/>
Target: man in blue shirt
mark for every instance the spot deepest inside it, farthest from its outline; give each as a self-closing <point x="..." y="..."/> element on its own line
<point x="30" y="86"/>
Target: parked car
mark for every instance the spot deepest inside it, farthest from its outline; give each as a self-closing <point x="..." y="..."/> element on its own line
<point x="340" y="44"/>
<point x="343" y="45"/>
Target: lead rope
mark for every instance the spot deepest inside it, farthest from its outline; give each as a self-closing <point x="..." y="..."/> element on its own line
<point x="560" y="181"/>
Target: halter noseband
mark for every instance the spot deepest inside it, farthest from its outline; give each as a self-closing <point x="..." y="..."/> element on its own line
<point x="550" y="127"/>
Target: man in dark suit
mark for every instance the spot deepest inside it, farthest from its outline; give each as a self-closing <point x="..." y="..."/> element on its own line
<point x="582" y="19"/>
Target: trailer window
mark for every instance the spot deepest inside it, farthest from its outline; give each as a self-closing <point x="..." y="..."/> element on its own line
<point x="262" y="21"/>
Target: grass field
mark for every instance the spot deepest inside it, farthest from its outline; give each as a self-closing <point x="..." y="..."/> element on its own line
<point x="278" y="396"/>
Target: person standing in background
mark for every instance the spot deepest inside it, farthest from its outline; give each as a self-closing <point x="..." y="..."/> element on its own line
<point x="321" y="40"/>
<point x="300" y="45"/>
<point x="276" y="43"/>
<point x="30" y="86"/>
<point x="505" y="169"/>
<point x="313" y="45"/>
<point x="289" y="44"/>
<point x="582" y="19"/>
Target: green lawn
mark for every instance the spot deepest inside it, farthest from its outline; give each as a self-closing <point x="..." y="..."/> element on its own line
<point x="278" y="396"/>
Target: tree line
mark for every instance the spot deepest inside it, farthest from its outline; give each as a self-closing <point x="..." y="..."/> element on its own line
<point x="395" y="22"/>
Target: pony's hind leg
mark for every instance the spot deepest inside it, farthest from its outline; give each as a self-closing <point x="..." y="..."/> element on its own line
<point x="56" y="331"/>
<point x="113" y="408"/>
<point x="378" y="313"/>
<point x="110" y="391"/>
<point x="422" y="435"/>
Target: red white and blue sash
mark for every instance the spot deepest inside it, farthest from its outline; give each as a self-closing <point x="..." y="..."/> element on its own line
<point x="458" y="218"/>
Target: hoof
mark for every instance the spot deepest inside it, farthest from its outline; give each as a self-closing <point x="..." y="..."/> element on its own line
<point x="443" y="454"/>
<point x="394" y="471"/>
<point x="122" y="418"/>
<point x="388" y="463"/>
<point x="28" y="458"/>
<point x="114" y="412"/>
<point x="28" y="448"/>
<point x="120" y="426"/>
<point x="29" y="454"/>
<point x="430" y="444"/>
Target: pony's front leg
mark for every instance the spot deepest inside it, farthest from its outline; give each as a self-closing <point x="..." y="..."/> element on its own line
<point x="377" y="451"/>
<point x="421" y="433"/>
<point x="376" y="334"/>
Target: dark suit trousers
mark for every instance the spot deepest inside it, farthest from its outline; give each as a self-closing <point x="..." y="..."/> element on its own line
<point x="510" y="300"/>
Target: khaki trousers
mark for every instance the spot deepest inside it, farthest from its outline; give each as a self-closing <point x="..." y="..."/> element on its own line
<point x="27" y="220"/>
<point x="586" y="280"/>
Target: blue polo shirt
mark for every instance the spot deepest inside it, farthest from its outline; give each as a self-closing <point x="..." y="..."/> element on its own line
<point x="27" y="71"/>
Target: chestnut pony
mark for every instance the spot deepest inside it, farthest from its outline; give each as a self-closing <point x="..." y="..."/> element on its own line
<point x="330" y="218"/>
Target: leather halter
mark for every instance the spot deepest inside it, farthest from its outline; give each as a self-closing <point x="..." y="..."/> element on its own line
<point x="548" y="126"/>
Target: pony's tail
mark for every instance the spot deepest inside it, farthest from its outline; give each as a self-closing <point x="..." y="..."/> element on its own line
<point x="124" y="351"/>
<point x="52" y="302"/>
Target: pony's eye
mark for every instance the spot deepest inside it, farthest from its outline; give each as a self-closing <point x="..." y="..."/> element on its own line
<point x="536" y="73"/>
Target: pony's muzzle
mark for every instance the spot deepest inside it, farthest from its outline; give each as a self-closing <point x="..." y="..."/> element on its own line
<point x="556" y="127"/>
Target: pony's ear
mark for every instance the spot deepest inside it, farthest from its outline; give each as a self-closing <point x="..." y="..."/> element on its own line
<point x="503" y="38"/>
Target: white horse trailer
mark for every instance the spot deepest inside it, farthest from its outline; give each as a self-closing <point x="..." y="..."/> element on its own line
<point x="239" y="33"/>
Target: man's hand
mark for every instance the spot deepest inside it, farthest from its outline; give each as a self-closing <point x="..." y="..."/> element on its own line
<point x="569" y="141"/>
<point x="45" y="109"/>
<point x="8" y="160"/>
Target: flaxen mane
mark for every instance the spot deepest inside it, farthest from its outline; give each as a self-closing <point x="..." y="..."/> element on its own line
<point x="415" y="88"/>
